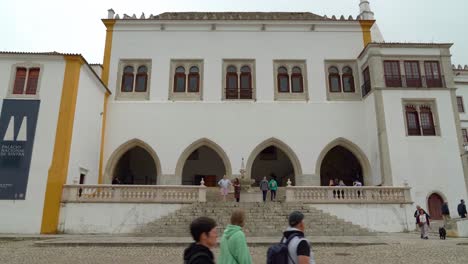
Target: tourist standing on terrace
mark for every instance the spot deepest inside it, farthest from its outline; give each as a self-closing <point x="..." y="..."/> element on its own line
<point x="264" y="188"/>
<point x="224" y="185"/>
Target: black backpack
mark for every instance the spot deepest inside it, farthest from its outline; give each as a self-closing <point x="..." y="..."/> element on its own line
<point x="279" y="253"/>
<point x="195" y="256"/>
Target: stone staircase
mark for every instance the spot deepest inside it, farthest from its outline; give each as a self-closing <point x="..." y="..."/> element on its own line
<point x="262" y="220"/>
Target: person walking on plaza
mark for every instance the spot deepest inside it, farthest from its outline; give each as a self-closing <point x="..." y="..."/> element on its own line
<point x="203" y="230"/>
<point x="273" y="186"/>
<point x="233" y="245"/>
<point x="299" y="248"/>
<point x="237" y="189"/>
<point x="423" y="223"/>
<point x="445" y="212"/>
<point x="462" y="209"/>
<point x="264" y="188"/>
<point x="224" y="185"/>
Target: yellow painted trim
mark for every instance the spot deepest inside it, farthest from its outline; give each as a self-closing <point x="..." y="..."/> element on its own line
<point x="366" y="26"/>
<point x="109" y="23"/>
<point x="103" y="131"/>
<point x="63" y="137"/>
<point x="107" y="50"/>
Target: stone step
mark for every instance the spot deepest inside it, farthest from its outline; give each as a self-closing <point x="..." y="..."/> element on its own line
<point x="262" y="219"/>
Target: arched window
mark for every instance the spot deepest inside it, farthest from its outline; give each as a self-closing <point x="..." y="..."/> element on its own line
<point x="245" y="78"/>
<point x="412" y="121"/>
<point x="427" y="121"/>
<point x="20" y="80"/>
<point x="245" y="83"/>
<point x="179" y="80"/>
<point x="348" y="80"/>
<point x="283" y="80"/>
<point x="127" y="79"/>
<point x="141" y="79"/>
<point x="194" y="80"/>
<point x="334" y="80"/>
<point x="231" y="77"/>
<point x="297" y="80"/>
<point x="33" y="78"/>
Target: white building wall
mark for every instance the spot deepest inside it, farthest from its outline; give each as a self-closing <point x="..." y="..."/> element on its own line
<point x="110" y="218"/>
<point x="462" y="90"/>
<point x="25" y="216"/>
<point x="428" y="163"/>
<point x="373" y="153"/>
<point x="86" y="138"/>
<point x="238" y="127"/>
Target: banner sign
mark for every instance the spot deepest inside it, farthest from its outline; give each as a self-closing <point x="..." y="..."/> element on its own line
<point x="18" y="121"/>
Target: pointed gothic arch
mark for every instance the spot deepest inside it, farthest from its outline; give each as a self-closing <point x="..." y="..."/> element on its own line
<point x="283" y="147"/>
<point x="354" y="149"/>
<point x="203" y="142"/>
<point x="118" y="153"/>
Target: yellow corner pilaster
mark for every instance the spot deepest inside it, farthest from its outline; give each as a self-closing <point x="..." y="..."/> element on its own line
<point x="63" y="137"/>
<point x="366" y="26"/>
<point x="109" y="23"/>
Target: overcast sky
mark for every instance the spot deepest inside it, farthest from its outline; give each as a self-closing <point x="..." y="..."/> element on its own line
<point x="75" y="26"/>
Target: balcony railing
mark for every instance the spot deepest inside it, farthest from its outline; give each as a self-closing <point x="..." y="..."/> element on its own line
<point x="243" y="93"/>
<point x="346" y="195"/>
<point x="366" y="88"/>
<point x="133" y="194"/>
<point x="415" y="81"/>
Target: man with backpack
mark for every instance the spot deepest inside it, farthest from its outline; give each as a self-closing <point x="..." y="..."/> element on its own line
<point x="203" y="230"/>
<point x="294" y="248"/>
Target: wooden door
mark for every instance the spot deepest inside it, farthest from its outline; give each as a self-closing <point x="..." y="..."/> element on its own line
<point x="435" y="206"/>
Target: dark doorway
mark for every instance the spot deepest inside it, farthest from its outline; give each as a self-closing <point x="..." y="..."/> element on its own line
<point x="340" y="163"/>
<point x="204" y="163"/>
<point x="136" y="166"/>
<point x="272" y="160"/>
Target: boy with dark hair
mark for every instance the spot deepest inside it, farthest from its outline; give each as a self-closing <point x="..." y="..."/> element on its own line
<point x="203" y="230"/>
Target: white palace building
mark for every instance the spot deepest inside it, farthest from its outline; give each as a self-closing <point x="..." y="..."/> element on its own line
<point x="186" y="97"/>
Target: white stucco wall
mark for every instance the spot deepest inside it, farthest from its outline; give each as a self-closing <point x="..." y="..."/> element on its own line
<point x="372" y="139"/>
<point x="375" y="217"/>
<point x="428" y="163"/>
<point x="110" y="218"/>
<point x="25" y="216"/>
<point x="86" y="139"/>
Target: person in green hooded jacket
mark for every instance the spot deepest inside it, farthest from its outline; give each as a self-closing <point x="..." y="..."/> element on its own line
<point x="273" y="186"/>
<point x="233" y="246"/>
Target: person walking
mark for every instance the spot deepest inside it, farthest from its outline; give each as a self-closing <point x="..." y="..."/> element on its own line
<point x="264" y="188"/>
<point x="273" y="186"/>
<point x="233" y="245"/>
<point x="299" y="248"/>
<point x="203" y="231"/>
<point x="224" y="185"/>
<point x="237" y="189"/>
<point x="462" y="209"/>
<point x="445" y="212"/>
<point x="423" y="223"/>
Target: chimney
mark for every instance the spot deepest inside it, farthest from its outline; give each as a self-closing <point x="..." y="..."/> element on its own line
<point x="110" y="14"/>
<point x="366" y="12"/>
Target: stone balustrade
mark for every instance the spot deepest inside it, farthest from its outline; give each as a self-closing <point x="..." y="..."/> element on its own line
<point x="349" y="195"/>
<point x="103" y="193"/>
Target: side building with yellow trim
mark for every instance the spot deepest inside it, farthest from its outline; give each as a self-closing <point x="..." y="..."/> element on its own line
<point x="50" y="122"/>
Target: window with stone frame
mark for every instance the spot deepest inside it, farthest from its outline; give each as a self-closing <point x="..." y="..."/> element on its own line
<point x="421" y="119"/>
<point x="460" y="104"/>
<point x="186" y="80"/>
<point x="465" y="135"/>
<point x="238" y="79"/>
<point x="340" y="80"/>
<point x="134" y="78"/>
<point x="26" y="80"/>
<point x="290" y="80"/>
<point x="392" y="74"/>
